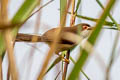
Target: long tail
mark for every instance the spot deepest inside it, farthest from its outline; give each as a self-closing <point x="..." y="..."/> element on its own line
<point x="21" y="37"/>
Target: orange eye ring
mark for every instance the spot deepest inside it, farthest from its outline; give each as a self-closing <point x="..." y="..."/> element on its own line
<point x="85" y="27"/>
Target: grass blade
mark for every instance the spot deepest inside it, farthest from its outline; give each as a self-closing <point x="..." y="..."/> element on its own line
<point x="25" y="10"/>
<point x="56" y="61"/>
<point x="110" y="16"/>
<point x="92" y="39"/>
<point x="77" y="7"/>
<point x="81" y="69"/>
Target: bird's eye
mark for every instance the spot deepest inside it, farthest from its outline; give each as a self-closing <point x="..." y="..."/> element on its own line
<point x="85" y="27"/>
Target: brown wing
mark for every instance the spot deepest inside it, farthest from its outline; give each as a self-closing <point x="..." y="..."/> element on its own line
<point x="50" y="34"/>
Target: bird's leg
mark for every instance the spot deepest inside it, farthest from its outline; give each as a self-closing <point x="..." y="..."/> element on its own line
<point x="66" y="60"/>
<point x="63" y="57"/>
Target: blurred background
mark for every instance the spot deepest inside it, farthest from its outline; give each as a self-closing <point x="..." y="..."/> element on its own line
<point x="29" y="64"/>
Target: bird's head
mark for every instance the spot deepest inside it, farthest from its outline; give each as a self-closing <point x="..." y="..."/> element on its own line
<point x="84" y="26"/>
<point x="84" y="29"/>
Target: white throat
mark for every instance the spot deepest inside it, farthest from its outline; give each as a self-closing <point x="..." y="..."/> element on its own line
<point x="85" y="33"/>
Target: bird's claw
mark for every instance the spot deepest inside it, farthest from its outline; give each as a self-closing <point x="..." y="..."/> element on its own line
<point x="66" y="60"/>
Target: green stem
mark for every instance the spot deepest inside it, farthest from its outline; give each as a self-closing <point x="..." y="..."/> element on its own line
<point x="110" y="16"/>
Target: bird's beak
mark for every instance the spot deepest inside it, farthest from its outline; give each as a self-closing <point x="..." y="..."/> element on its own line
<point x="91" y="28"/>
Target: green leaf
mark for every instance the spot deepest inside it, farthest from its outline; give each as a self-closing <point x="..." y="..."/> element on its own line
<point x="95" y="20"/>
<point x="57" y="60"/>
<point x="81" y="69"/>
<point x="77" y="7"/>
<point x="108" y="23"/>
<point x="92" y="39"/>
<point x="25" y="10"/>
<point x="2" y="44"/>
<point x="110" y="16"/>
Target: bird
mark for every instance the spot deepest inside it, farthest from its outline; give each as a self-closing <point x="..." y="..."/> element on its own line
<point x="83" y="29"/>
